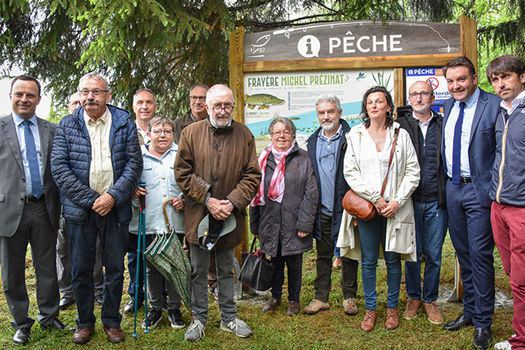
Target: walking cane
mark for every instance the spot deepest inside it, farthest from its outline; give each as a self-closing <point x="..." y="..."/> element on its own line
<point x="141" y="247"/>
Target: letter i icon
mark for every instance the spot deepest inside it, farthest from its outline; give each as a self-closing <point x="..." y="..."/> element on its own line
<point x="309" y="46"/>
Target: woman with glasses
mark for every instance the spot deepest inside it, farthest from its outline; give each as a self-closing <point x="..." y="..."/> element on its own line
<point x="368" y="162"/>
<point x="283" y="212"/>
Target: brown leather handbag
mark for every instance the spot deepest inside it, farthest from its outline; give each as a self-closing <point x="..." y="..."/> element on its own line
<point x="359" y="207"/>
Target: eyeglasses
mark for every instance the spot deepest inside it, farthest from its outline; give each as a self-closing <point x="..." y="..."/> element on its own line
<point x="422" y="94"/>
<point x="193" y="98"/>
<point x="96" y="92"/>
<point x="285" y="133"/>
<point x="227" y="108"/>
<point x="159" y="132"/>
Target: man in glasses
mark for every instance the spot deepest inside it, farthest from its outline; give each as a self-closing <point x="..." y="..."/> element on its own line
<point x="96" y="163"/>
<point x="197" y="110"/>
<point x="430" y="212"/>
<point x="63" y="260"/>
<point x="217" y="171"/>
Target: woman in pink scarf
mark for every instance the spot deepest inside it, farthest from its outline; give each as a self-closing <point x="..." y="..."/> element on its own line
<point x="282" y="214"/>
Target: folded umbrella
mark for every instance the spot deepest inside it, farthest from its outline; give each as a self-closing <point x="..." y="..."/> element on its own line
<point x="168" y="256"/>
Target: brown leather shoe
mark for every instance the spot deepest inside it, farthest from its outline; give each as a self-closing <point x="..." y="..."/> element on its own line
<point x="271" y="305"/>
<point x="369" y="321"/>
<point x="350" y="306"/>
<point x="83" y="335"/>
<point x="293" y="308"/>
<point x="392" y="319"/>
<point x="115" y="335"/>
<point x="433" y="313"/>
<point x="315" y="306"/>
<point x="412" y="309"/>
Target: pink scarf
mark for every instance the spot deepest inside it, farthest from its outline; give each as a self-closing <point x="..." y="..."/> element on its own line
<point x="276" y="189"/>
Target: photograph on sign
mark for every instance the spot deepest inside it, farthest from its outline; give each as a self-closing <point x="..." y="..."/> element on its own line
<point x="435" y="78"/>
<point x="293" y="94"/>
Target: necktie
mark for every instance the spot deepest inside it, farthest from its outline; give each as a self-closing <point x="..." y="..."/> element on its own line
<point x="456" y="147"/>
<point x="32" y="159"/>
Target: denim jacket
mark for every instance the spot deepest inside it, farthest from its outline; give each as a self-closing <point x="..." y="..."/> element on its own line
<point x="159" y="177"/>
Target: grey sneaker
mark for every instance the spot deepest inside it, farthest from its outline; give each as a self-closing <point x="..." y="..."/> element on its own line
<point x="238" y="327"/>
<point x="195" y="331"/>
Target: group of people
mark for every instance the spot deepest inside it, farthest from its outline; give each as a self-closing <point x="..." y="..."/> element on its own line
<point x="422" y="172"/>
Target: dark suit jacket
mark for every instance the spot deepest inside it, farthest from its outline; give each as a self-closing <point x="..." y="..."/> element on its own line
<point x="482" y="146"/>
<point x="12" y="185"/>
<point x="340" y="185"/>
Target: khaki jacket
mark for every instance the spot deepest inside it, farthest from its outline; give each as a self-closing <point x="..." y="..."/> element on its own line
<point x="221" y="162"/>
<point x="404" y="179"/>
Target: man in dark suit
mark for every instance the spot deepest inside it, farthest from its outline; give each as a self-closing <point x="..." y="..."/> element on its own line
<point x="468" y="151"/>
<point x="30" y="209"/>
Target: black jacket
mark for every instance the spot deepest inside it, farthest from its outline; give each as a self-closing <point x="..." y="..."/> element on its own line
<point x="411" y="125"/>
<point x="279" y="222"/>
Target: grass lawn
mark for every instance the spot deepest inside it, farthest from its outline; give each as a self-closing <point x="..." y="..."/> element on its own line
<point x="327" y="330"/>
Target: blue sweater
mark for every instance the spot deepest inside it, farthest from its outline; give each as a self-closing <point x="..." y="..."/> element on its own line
<point x="71" y="159"/>
<point x="508" y="173"/>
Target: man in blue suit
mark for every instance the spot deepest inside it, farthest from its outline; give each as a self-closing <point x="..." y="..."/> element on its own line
<point x="468" y="151"/>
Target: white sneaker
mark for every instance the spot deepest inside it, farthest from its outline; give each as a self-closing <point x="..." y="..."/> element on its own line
<point x="195" y="331"/>
<point x="238" y="327"/>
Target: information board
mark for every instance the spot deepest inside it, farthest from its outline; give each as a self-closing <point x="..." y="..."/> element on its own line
<point x="293" y="95"/>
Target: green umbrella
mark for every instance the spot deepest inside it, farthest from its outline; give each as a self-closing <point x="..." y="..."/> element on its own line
<point x="168" y="257"/>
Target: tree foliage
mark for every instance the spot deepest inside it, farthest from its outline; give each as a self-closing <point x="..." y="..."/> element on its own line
<point x="168" y="45"/>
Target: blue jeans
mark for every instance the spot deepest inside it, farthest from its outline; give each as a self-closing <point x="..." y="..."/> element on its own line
<point x="431" y="228"/>
<point x="372" y="234"/>
<point x="82" y="245"/>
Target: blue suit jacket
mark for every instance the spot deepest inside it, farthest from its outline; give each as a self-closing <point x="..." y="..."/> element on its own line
<point x="482" y="145"/>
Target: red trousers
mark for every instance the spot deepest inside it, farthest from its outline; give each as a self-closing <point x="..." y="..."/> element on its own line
<point x="508" y="227"/>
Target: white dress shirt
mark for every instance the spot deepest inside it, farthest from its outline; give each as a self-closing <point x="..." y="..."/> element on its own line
<point x="468" y="117"/>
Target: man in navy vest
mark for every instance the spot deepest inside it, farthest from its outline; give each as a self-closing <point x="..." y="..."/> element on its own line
<point x="468" y="150"/>
<point x="424" y="127"/>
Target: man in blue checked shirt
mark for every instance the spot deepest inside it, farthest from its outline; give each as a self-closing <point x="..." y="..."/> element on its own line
<point x="158" y="175"/>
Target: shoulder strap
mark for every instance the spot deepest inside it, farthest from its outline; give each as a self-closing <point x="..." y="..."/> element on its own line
<point x="396" y="133"/>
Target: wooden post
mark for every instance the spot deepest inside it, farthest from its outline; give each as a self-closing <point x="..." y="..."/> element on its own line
<point x="236" y="71"/>
<point x="469" y="39"/>
<point x="236" y="52"/>
<point x="399" y="88"/>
